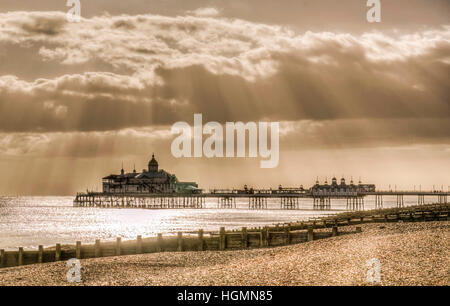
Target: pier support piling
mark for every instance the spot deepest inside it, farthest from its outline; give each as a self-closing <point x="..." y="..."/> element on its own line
<point x="400" y="201"/>
<point x="378" y="201"/>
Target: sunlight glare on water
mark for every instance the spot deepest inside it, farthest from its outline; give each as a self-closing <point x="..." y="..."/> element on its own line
<point x="31" y="221"/>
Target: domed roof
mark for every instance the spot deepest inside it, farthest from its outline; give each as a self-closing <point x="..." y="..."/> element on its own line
<point x="153" y="161"/>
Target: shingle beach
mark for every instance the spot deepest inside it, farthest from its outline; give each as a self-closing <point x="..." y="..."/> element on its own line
<point x="414" y="253"/>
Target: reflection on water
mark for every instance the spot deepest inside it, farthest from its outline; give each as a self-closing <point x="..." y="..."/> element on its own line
<point x="31" y="221"/>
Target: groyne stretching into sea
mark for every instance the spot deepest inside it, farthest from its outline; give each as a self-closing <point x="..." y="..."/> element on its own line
<point x="269" y="236"/>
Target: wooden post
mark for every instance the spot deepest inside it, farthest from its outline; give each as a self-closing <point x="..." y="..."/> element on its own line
<point x="180" y="242"/>
<point x="244" y="238"/>
<point x="40" y="253"/>
<point x="159" y="243"/>
<point x="310" y="234"/>
<point x="78" y="250"/>
<point x="362" y="219"/>
<point x="358" y="229"/>
<point x="288" y="234"/>
<point x="334" y="231"/>
<point x="118" y="246"/>
<point x="139" y="244"/>
<point x="200" y="240"/>
<point x="97" y="248"/>
<point x="222" y="239"/>
<point x="266" y="236"/>
<point x="2" y="258"/>
<point x="20" y="256"/>
<point x="58" y="252"/>
<point x="261" y="242"/>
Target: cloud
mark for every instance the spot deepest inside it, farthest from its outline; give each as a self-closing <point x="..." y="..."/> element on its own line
<point x="294" y="136"/>
<point x="167" y="68"/>
<point x="205" y="12"/>
<point x="83" y="144"/>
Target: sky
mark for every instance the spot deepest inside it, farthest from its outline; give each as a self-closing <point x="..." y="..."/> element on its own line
<point x="353" y="98"/>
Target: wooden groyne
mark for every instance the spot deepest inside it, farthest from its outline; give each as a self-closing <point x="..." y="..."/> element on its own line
<point x="278" y="235"/>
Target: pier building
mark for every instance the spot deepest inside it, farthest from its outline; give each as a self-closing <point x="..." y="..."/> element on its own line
<point x="341" y="187"/>
<point x="150" y="180"/>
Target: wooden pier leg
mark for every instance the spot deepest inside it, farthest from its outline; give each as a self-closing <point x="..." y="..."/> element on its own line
<point x="159" y="243"/>
<point x="358" y="229"/>
<point x="180" y="242"/>
<point x="40" y="253"/>
<point x="222" y="239"/>
<point x="334" y="231"/>
<point x="201" y="242"/>
<point x="244" y="238"/>
<point x="78" y="250"/>
<point x="139" y="244"/>
<point x="2" y="258"/>
<point x="310" y="234"/>
<point x="118" y="246"/>
<point x="58" y="252"/>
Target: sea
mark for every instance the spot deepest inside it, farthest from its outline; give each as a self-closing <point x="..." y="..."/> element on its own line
<point x="28" y="222"/>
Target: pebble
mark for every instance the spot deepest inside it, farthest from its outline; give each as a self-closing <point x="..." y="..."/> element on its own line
<point x="413" y="253"/>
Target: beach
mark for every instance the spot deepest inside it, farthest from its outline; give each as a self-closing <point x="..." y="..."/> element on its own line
<point x="413" y="253"/>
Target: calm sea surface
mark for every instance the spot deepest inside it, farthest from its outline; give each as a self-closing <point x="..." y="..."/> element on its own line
<point x="31" y="221"/>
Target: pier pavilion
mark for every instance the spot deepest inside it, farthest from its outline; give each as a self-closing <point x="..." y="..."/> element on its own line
<point x="151" y="180"/>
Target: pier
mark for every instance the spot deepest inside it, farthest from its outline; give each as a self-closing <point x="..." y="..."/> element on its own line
<point x="257" y="199"/>
<point x="155" y="188"/>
